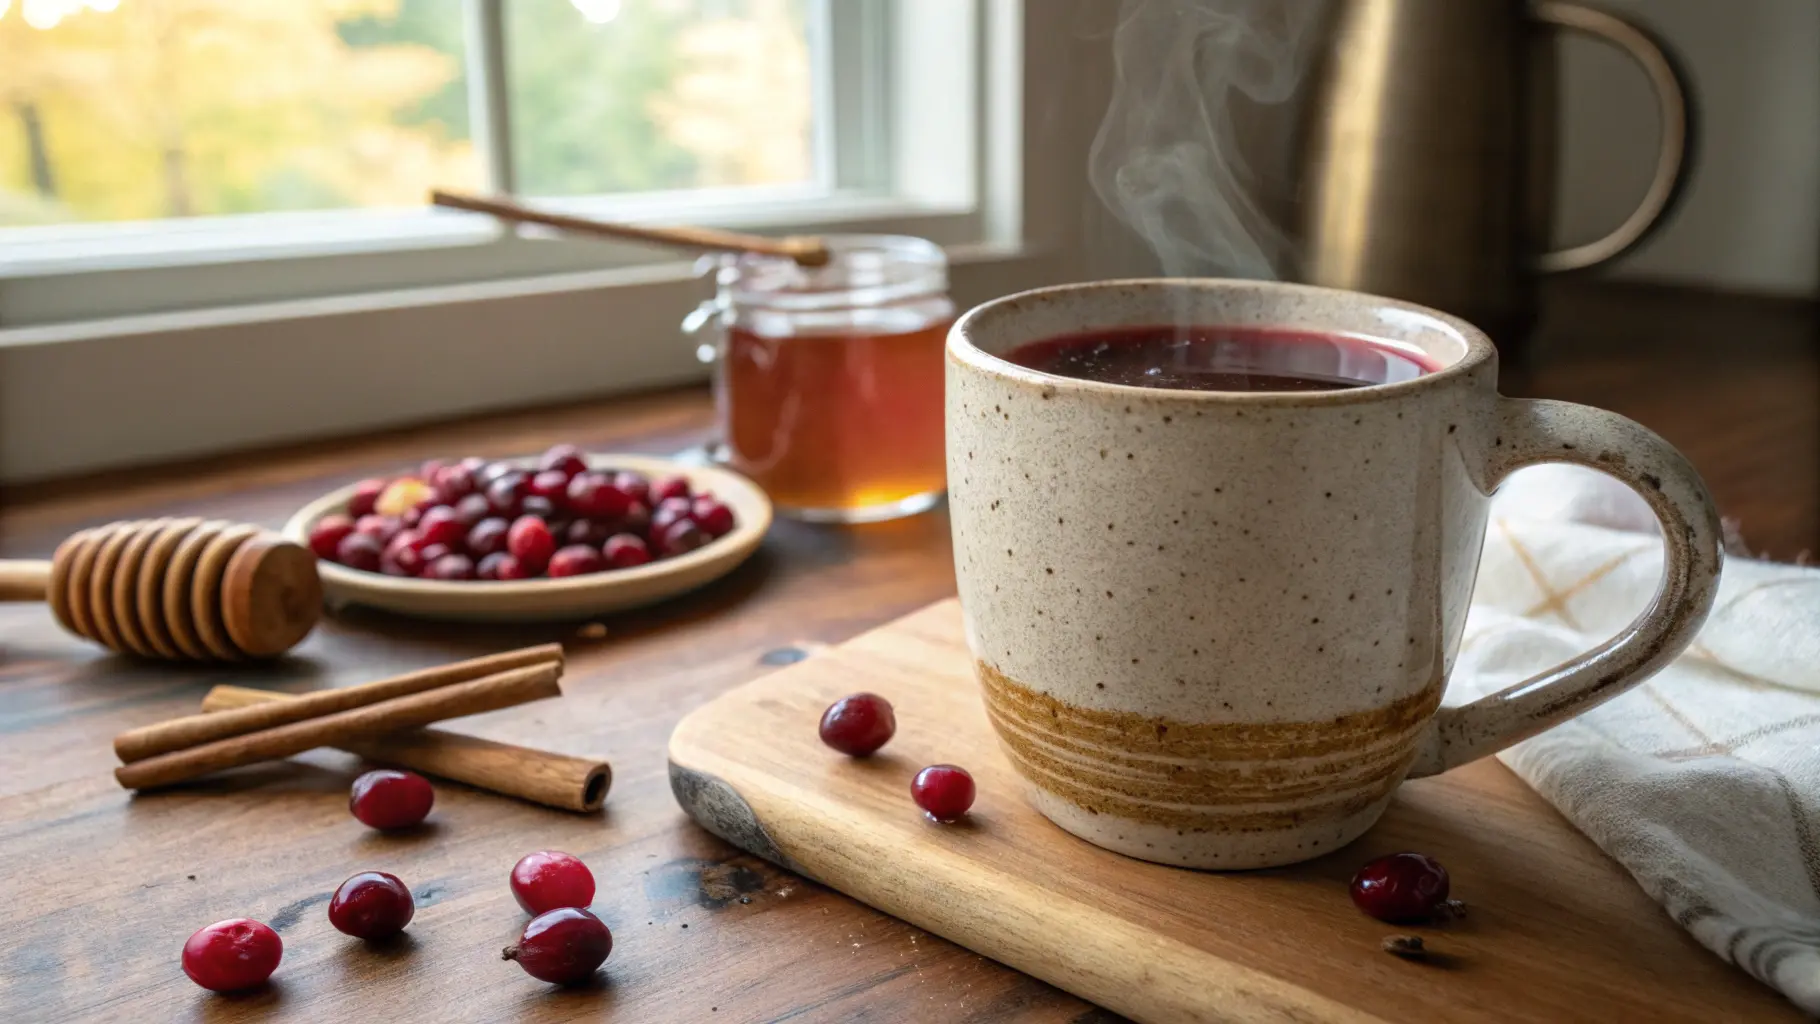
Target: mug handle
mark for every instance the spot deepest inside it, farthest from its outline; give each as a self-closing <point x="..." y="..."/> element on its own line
<point x="1670" y="85"/>
<point x="1530" y="432"/>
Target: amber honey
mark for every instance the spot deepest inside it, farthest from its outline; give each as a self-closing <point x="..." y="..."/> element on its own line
<point x="837" y="421"/>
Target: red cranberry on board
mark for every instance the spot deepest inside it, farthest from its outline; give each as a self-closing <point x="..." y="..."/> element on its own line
<point x="371" y="905"/>
<point x="449" y="567"/>
<point x="453" y="483"/>
<point x="232" y="956"/>
<point x="366" y="495"/>
<point x="563" y="947"/>
<point x="943" y="790"/>
<point x="506" y="493"/>
<point x="326" y="534"/>
<point x="593" y="495"/>
<point x="530" y="541"/>
<point x="858" y="724"/>
<point x="488" y="537"/>
<point x="625" y="550"/>
<point x="548" y="879"/>
<point x="633" y="484"/>
<point x="537" y="505"/>
<point x="563" y="458"/>
<point x="359" y="551"/>
<point x="552" y="486"/>
<point x="681" y="537"/>
<point x="671" y="487"/>
<point x="441" y="525"/>
<point x="1401" y="888"/>
<point x="714" y="518"/>
<point x="473" y="508"/>
<point x="668" y="512"/>
<point x="575" y="560"/>
<point x="386" y="798"/>
<point x="592" y="532"/>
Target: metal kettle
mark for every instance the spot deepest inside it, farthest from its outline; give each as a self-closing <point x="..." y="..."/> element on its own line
<point x="1427" y="163"/>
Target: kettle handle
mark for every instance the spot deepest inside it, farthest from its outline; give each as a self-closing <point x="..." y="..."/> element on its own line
<point x="1672" y="91"/>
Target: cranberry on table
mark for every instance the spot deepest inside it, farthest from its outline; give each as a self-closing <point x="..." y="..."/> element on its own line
<point x="1401" y="888"/>
<point x="531" y="542"/>
<point x="670" y="487"/>
<point x="593" y="495"/>
<point x="858" y="724"/>
<point x="548" y="879"/>
<point x="715" y="519"/>
<point x="488" y="537"/>
<point x="633" y="484"/>
<point x="682" y="537"/>
<point x="625" y="550"/>
<point x="386" y="798"/>
<point x="563" y="458"/>
<point x="366" y="495"/>
<point x="326" y="534"/>
<point x="472" y="509"/>
<point x="442" y="525"/>
<point x="359" y="551"/>
<point x="371" y="905"/>
<point x="562" y="947"/>
<point x="232" y="956"/>
<point x="575" y="560"/>
<point x="943" y="790"/>
<point x="450" y="567"/>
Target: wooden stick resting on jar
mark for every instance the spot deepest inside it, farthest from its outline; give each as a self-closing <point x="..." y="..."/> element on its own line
<point x="807" y="251"/>
<point x="540" y="776"/>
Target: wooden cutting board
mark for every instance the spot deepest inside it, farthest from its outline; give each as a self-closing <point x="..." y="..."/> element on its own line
<point x="1556" y="931"/>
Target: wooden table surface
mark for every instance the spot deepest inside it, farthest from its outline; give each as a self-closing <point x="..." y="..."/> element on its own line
<point x="101" y="888"/>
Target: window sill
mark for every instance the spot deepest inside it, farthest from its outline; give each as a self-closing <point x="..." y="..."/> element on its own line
<point x="99" y="394"/>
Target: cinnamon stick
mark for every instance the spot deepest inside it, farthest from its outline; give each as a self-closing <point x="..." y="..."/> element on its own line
<point x="540" y="776"/>
<point x="195" y="730"/>
<point x="489" y="693"/>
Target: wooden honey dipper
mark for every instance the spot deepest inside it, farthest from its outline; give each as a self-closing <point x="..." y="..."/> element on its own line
<point x="176" y="588"/>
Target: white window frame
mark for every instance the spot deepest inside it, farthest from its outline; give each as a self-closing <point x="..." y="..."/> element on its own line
<point x="435" y="335"/>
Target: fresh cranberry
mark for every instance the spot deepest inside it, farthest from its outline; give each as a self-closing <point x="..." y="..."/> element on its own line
<point x="380" y="528"/>
<point x="1401" y="888"/>
<point x="474" y="464"/>
<point x="442" y="525"/>
<point x="537" y="505"/>
<point x="563" y="947"/>
<point x="431" y="552"/>
<point x="326" y="535"/>
<point x="563" y="458"/>
<point x="472" y="509"/>
<point x="634" y="485"/>
<point x="681" y="537"/>
<point x="592" y="532"/>
<point x="401" y="560"/>
<point x="371" y="905"/>
<point x="403" y="493"/>
<point x="943" y="790"/>
<point x="636" y="520"/>
<point x="488" y="567"/>
<point x="366" y="495"/>
<point x="714" y="518"/>
<point x="530" y="541"/>
<point x="450" y="567"/>
<point x="427" y="472"/>
<point x="593" y="494"/>
<point x="386" y="798"/>
<point x="625" y="550"/>
<point x="513" y="569"/>
<point x="493" y="471"/>
<point x="858" y="724"/>
<point x="669" y="512"/>
<point x="506" y="494"/>
<point x="671" y="487"/>
<point x="552" y="486"/>
<point x="575" y="560"/>
<point x="453" y="483"/>
<point x="488" y="537"/>
<point x="548" y="879"/>
<point x="411" y="516"/>
<point x="359" y="551"/>
<point x="231" y="956"/>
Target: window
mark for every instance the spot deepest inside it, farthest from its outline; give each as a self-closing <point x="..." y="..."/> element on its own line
<point x="210" y="209"/>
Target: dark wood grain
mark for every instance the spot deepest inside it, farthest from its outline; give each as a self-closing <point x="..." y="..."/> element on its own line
<point x="99" y="888"/>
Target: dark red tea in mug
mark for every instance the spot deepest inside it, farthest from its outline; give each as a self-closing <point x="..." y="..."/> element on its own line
<point x="1224" y="358"/>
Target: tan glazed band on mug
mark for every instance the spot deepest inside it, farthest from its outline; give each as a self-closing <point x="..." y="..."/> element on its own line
<point x="1212" y="628"/>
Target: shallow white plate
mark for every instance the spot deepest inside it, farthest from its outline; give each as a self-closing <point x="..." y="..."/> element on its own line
<point x="571" y="597"/>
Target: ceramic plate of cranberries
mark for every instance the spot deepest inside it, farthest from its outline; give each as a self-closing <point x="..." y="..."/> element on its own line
<point x="562" y="535"/>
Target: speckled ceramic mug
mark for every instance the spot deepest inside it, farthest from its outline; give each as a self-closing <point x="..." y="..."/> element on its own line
<point x="1212" y="628"/>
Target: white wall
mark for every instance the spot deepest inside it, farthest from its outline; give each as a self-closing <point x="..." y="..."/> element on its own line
<point x="1750" y="220"/>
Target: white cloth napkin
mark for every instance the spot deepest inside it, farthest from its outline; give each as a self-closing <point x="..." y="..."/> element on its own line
<point x="1704" y="782"/>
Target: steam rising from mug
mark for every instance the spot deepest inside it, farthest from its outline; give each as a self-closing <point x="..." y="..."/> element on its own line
<point x="1166" y="160"/>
